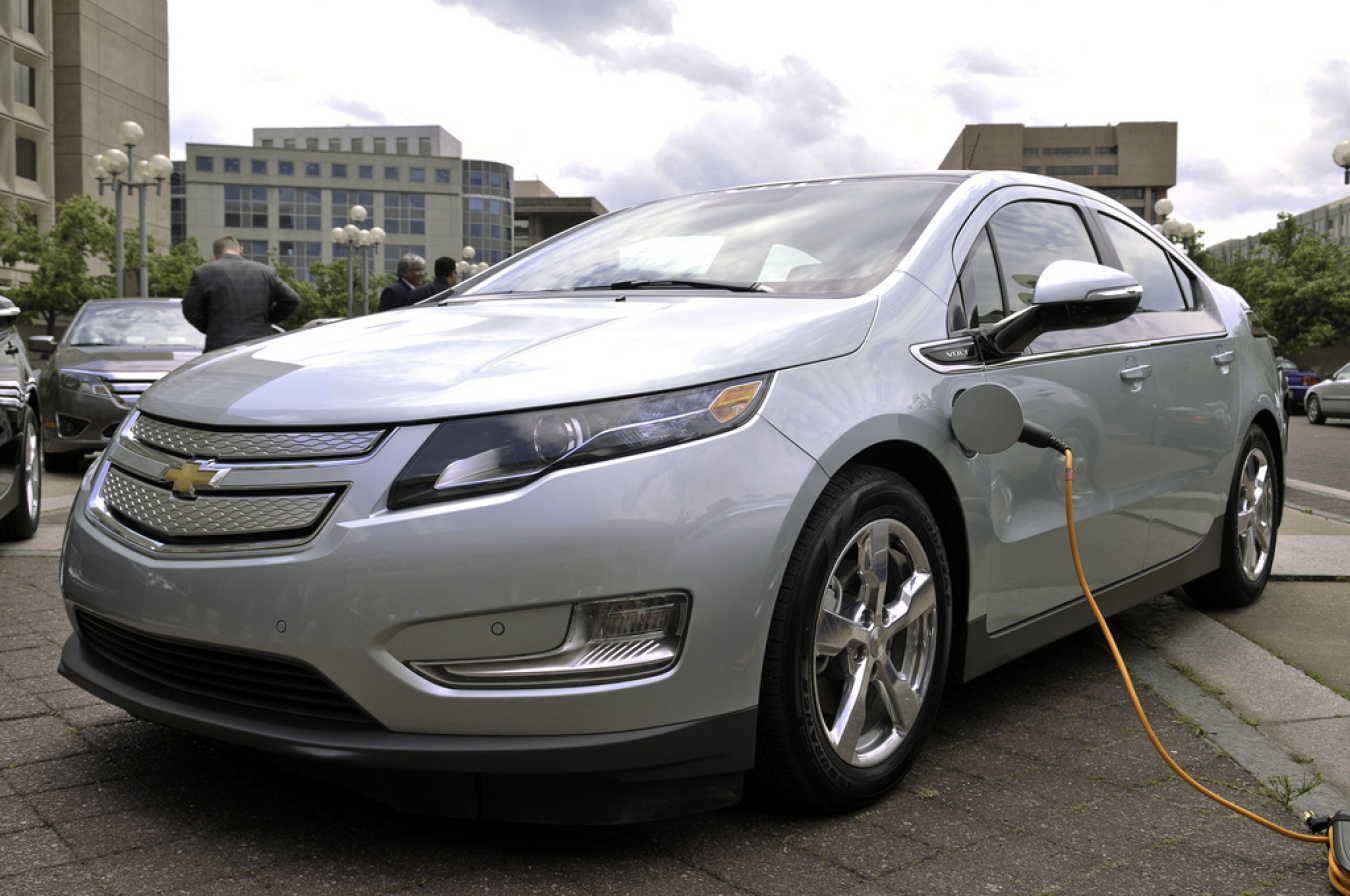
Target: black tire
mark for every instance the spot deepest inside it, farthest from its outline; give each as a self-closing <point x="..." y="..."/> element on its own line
<point x="1313" y="408"/>
<point x="827" y="637"/>
<point x="21" y="523"/>
<point x="1249" y="530"/>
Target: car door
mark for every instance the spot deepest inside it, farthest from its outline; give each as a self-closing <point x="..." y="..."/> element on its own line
<point x="1335" y="394"/>
<point x="1195" y="370"/>
<point x="1093" y="389"/>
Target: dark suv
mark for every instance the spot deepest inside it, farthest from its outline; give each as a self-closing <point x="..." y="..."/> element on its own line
<point x="20" y="440"/>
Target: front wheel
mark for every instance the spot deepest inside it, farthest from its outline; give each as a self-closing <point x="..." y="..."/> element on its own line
<point x="1313" y="408"/>
<point x="858" y="645"/>
<point x="1248" y="530"/>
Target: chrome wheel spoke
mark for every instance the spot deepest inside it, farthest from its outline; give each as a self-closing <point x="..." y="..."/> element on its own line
<point x="902" y="704"/>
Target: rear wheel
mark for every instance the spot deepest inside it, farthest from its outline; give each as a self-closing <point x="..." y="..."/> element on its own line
<point x="22" y="522"/>
<point x="858" y="645"/>
<point x="1313" y="408"/>
<point x="1248" y="531"/>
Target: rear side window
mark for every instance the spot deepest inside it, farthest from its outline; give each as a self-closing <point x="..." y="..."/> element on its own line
<point x="1028" y="236"/>
<point x="1147" y="262"/>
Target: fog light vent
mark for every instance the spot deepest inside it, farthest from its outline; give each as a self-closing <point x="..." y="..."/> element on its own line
<point x="607" y="640"/>
<point x="70" y="427"/>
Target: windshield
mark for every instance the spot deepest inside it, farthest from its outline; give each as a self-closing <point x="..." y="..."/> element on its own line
<point x="837" y="236"/>
<point x="160" y="325"/>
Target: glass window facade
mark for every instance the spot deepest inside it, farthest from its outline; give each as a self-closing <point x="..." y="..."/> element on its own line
<point x="245" y="206"/>
<point x="232" y="166"/>
<point x="488" y="223"/>
<point x="405" y="213"/>
<point x="25" y="84"/>
<point x="342" y="201"/>
<point x="286" y="168"/>
<point x="299" y="209"/>
<point x="340" y="170"/>
<point x="259" y="166"/>
<point x="25" y="158"/>
<point x="299" y="255"/>
<point x="206" y="163"/>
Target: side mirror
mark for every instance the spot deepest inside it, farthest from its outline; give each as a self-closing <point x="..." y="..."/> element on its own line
<point x="9" y="312"/>
<point x="1069" y="295"/>
<point x="42" y="344"/>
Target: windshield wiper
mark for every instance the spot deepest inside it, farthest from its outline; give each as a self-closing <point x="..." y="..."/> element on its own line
<point x="684" y="284"/>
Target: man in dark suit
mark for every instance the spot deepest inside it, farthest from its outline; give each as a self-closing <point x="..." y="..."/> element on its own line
<point x="232" y="299"/>
<point x="445" y="279"/>
<point x="411" y="270"/>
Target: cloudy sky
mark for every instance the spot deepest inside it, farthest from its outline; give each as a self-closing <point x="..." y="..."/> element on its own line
<point x="630" y="100"/>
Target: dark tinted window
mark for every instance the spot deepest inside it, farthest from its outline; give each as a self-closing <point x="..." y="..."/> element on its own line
<point x="1148" y="263"/>
<point x="980" y="292"/>
<point x="1028" y="236"/>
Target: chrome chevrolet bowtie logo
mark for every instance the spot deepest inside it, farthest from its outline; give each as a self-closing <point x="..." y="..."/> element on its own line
<point x="186" y="478"/>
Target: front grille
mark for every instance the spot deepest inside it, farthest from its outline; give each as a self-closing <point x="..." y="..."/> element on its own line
<point x="258" y="681"/>
<point x="155" y="511"/>
<point x="187" y="441"/>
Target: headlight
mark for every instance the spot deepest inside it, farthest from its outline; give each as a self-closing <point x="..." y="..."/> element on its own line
<point x="488" y="454"/>
<point x="83" y="381"/>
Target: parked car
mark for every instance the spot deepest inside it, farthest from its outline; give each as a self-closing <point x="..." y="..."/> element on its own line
<point x="675" y="496"/>
<point x="113" y="350"/>
<point x="1329" y="398"/>
<point x="1298" y="380"/>
<point x="20" y="444"/>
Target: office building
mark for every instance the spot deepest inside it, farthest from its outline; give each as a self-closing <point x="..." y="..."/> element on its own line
<point x="1134" y="163"/>
<point x="70" y="72"/>
<point x="286" y="192"/>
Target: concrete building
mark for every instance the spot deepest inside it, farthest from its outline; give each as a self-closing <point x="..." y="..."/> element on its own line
<point x="1134" y="163"/>
<point x="286" y="191"/>
<point x="26" y="113"/>
<point x="542" y="213"/>
<point x="70" y="72"/>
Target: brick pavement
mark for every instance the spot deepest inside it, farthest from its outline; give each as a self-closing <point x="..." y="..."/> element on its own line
<point x="1038" y="780"/>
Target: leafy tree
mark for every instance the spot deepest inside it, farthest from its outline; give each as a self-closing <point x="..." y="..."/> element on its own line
<point x="61" y="281"/>
<point x="1298" y="283"/>
<point x="170" y="274"/>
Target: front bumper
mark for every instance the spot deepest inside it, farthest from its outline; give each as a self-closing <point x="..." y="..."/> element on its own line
<point x="590" y="779"/>
<point x="713" y="519"/>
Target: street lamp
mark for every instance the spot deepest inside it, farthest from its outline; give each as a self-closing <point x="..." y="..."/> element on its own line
<point x="466" y="268"/>
<point x="370" y="240"/>
<point x="1341" y="156"/>
<point x="351" y="236"/>
<point x="110" y="166"/>
<point x="1175" y="229"/>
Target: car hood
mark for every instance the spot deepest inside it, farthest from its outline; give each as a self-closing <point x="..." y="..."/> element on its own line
<point x="104" y="358"/>
<point x="500" y="354"/>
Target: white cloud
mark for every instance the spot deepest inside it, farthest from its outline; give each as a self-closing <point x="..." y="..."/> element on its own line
<point x="629" y="101"/>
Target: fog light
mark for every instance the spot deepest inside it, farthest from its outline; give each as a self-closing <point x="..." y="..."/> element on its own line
<point x="70" y="427"/>
<point x="607" y="640"/>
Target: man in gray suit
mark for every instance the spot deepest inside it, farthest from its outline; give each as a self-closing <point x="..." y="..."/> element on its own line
<point x="232" y="299"/>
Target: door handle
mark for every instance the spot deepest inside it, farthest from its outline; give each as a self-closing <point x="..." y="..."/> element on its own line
<point x="1225" y="357"/>
<point x="1135" y="374"/>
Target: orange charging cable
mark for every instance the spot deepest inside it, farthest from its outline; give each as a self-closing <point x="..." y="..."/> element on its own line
<point x="1340" y="878"/>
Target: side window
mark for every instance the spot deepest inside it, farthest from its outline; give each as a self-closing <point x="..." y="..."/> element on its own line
<point x="980" y="293"/>
<point x="1028" y="236"/>
<point x="1147" y="262"/>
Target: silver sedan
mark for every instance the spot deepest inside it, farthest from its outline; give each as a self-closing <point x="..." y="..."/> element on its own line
<point x="675" y="497"/>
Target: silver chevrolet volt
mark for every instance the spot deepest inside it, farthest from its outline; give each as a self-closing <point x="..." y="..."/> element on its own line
<point x="675" y="498"/>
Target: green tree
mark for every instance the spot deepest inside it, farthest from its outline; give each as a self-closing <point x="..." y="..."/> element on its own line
<point x="1298" y="283"/>
<point x="170" y="274"/>
<point x="61" y="281"/>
